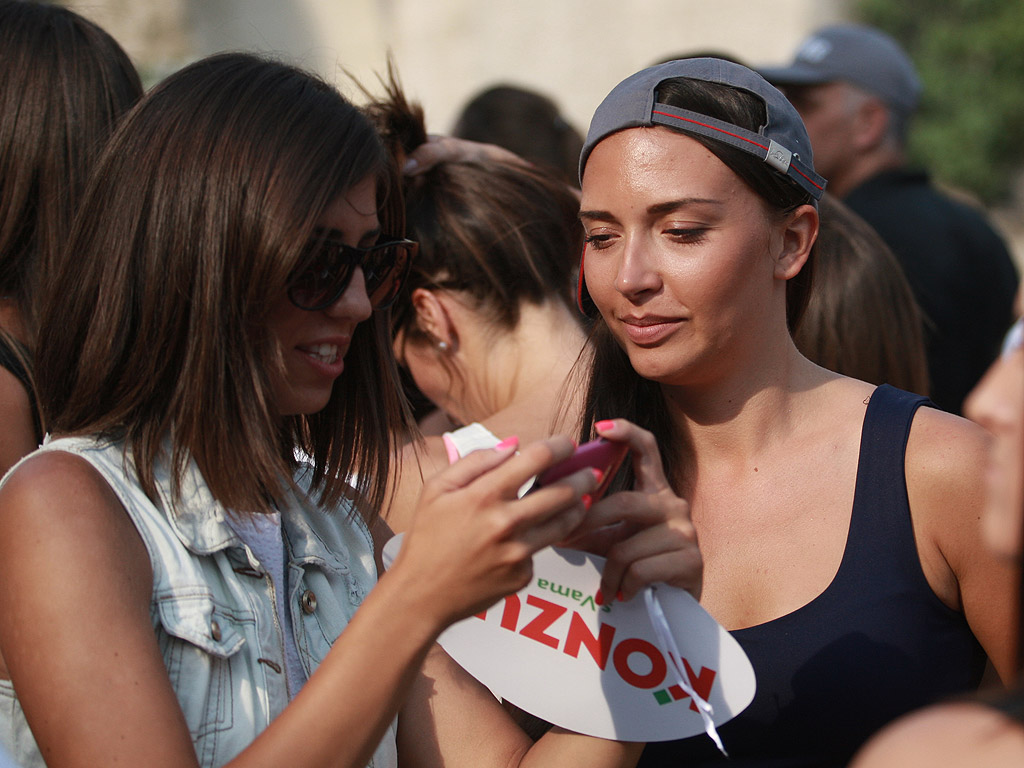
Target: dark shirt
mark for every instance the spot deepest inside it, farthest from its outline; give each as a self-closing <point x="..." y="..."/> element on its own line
<point x="958" y="268"/>
<point x="875" y="644"/>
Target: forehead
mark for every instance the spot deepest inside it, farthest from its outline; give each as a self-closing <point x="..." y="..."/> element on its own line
<point x="354" y="211"/>
<point x="655" y="162"/>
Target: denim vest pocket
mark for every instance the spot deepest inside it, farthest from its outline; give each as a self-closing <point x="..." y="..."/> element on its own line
<point x="200" y="640"/>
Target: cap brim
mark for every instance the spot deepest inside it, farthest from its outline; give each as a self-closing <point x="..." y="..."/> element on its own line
<point x="795" y="75"/>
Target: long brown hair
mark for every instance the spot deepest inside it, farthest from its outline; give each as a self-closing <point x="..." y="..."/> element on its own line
<point x="500" y="234"/>
<point x="613" y="388"/>
<point x="199" y="210"/>
<point x="863" y="320"/>
<point x="64" y="83"/>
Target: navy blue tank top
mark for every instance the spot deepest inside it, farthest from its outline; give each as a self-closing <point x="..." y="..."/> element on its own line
<point x="875" y="644"/>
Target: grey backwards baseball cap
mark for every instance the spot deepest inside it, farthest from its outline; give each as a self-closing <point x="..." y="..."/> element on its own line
<point x="781" y="142"/>
<point x="852" y="53"/>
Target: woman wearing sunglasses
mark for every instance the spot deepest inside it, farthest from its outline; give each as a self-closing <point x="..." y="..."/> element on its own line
<point x="175" y="588"/>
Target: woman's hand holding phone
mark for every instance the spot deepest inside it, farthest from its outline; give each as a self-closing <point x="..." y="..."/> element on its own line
<point x="645" y="533"/>
<point x="600" y="454"/>
<point x="472" y="538"/>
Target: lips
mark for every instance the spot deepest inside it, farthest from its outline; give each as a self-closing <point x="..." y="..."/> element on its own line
<point x="324" y="353"/>
<point x="325" y="356"/>
<point x="649" y="329"/>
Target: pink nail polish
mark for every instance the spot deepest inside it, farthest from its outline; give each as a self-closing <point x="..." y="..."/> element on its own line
<point x="588" y="502"/>
<point x="598" y="474"/>
<point x="450" y="448"/>
<point x="508" y="442"/>
<point x="606" y="424"/>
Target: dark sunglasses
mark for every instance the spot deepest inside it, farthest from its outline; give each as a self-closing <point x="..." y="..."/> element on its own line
<point x="327" y="269"/>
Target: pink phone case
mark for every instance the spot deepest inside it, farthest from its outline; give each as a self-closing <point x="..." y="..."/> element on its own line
<point x="602" y="454"/>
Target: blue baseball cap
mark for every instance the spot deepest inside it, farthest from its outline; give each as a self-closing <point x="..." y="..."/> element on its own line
<point x="856" y="54"/>
<point x="781" y="142"/>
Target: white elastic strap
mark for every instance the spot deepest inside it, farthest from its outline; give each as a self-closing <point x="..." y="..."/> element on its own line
<point x="671" y="651"/>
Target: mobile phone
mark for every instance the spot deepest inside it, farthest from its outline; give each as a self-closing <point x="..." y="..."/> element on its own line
<point x="602" y="454"/>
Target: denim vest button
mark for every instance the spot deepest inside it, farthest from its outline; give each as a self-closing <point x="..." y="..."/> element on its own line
<point x="308" y="601"/>
<point x="215" y="630"/>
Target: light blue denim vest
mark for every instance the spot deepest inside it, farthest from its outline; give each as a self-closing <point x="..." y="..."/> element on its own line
<point x="213" y="605"/>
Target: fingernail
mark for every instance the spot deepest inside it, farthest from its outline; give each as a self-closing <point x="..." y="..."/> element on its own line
<point x="508" y="442"/>
<point x="410" y="166"/>
<point x="451" y="449"/>
<point x="588" y="502"/>
<point x="606" y="424"/>
<point x="598" y="474"/>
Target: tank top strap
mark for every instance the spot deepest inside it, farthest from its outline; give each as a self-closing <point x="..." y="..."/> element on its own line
<point x="881" y="523"/>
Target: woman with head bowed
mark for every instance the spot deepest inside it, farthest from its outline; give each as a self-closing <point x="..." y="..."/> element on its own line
<point x="837" y="520"/>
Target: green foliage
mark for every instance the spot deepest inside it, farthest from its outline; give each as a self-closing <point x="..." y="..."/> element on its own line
<point x="969" y="130"/>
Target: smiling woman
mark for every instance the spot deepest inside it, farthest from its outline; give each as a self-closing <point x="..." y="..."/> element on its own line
<point x="314" y="343"/>
<point x="838" y="531"/>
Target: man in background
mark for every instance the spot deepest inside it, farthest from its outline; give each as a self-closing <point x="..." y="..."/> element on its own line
<point x="856" y="90"/>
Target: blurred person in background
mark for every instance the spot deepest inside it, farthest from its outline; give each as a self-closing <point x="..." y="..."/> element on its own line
<point x="525" y="122"/>
<point x="862" y="319"/>
<point x="64" y="83"/>
<point x="857" y="91"/>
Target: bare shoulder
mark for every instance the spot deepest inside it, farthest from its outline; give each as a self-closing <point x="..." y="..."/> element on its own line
<point x="417" y="462"/>
<point x="12" y="391"/>
<point x="946" y="462"/>
<point x="76" y="631"/>
<point x="53" y="476"/>
<point x="945" y="470"/>
<point x="56" y="506"/>
<point x="17" y="438"/>
<point x="837" y="406"/>
<point x="947" y="735"/>
<point x="943" y="445"/>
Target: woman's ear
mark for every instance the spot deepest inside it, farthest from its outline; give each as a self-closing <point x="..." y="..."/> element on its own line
<point x="798" y="238"/>
<point x="434" y="319"/>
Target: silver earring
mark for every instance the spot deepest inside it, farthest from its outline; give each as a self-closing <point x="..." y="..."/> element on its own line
<point x="442" y="346"/>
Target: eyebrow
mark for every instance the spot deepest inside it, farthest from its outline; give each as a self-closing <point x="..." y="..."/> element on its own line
<point x="658" y="209"/>
<point x="330" y="233"/>
<point x="371" y="236"/>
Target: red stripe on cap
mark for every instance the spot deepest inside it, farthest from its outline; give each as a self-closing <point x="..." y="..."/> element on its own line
<point x="735" y="136"/>
<point x="809" y="179"/>
<point x="711" y="127"/>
